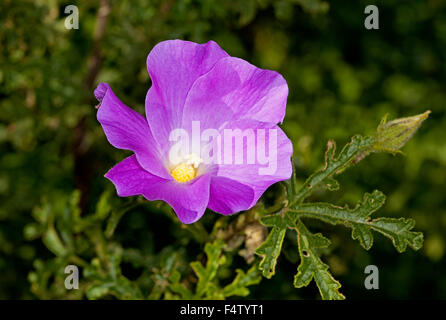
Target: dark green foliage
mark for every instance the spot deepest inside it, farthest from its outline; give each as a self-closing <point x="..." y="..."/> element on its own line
<point x="358" y="218"/>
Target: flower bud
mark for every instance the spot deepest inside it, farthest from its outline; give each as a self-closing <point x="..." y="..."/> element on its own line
<point x="391" y="136"/>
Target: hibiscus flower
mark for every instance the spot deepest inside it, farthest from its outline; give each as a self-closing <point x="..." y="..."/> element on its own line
<point x="200" y="84"/>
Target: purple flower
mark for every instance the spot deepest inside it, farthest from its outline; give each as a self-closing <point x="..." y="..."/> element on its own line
<point x="199" y="84"/>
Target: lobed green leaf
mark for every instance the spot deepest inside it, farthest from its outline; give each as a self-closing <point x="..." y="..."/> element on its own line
<point x="270" y="251"/>
<point x="206" y="274"/>
<point x="238" y="286"/>
<point x="358" y="218"/>
<point x="311" y="266"/>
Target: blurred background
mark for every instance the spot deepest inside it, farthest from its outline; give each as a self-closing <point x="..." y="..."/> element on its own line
<point x="55" y="203"/>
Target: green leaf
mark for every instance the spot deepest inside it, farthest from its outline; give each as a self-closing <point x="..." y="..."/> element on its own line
<point x="270" y="249"/>
<point x="52" y="240"/>
<point x="312" y="267"/>
<point x="206" y="274"/>
<point x="399" y="231"/>
<point x="113" y="222"/>
<point x="103" y="207"/>
<point x="238" y="286"/>
<point x="358" y="218"/>
<point x="167" y="276"/>
<point x="332" y="184"/>
<point x="122" y="288"/>
<point x="111" y="283"/>
<point x="207" y="286"/>
<point x="178" y="287"/>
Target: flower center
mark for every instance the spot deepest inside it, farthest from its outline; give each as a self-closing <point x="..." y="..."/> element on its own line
<point x="186" y="170"/>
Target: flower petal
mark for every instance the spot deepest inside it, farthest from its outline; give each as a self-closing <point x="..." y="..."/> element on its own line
<point x="205" y="104"/>
<point x="250" y="92"/>
<point x="189" y="200"/>
<point x="228" y="196"/>
<point x="127" y="129"/>
<point x="174" y="65"/>
<point x="260" y="174"/>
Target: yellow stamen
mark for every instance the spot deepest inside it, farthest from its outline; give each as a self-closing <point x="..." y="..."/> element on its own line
<point x="183" y="172"/>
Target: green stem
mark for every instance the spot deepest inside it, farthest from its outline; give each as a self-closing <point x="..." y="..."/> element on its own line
<point x="353" y="152"/>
